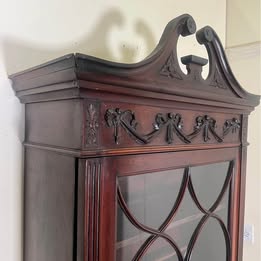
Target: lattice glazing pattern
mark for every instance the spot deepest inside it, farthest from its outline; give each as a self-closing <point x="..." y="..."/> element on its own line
<point x="193" y="198"/>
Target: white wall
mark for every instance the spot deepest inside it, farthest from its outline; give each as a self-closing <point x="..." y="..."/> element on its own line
<point x="244" y="54"/>
<point x="11" y="137"/>
<point x="34" y="31"/>
<point x="243" y="22"/>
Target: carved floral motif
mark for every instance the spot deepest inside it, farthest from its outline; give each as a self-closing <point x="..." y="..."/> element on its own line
<point x="92" y="124"/>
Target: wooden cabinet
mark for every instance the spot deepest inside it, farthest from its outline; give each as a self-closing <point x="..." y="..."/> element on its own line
<point x="128" y="162"/>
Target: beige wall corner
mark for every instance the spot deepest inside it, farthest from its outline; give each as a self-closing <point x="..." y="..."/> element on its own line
<point x="243" y="22"/>
<point x="244" y="54"/>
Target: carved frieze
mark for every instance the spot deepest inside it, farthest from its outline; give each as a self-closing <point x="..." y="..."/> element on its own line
<point x="173" y="125"/>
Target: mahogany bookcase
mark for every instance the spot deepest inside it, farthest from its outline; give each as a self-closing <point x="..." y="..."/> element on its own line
<point x="128" y="162"/>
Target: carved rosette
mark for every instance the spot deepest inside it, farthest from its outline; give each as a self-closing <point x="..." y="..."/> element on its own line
<point x="172" y="123"/>
<point x="91" y="124"/>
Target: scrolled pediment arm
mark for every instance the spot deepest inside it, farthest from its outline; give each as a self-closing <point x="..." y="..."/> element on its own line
<point x="218" y="62"/>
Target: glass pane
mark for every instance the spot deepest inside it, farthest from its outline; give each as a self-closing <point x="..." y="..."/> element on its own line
<point x="150" y="197"/>
<point x="223" y="209"/>
<point x="184" y="222"/>
<point x="129" y="238"/>
<point x="148" y="203"/>
<point x="210" y="244"/>
<point x="208" y="181"/>
<point x="160" y="250"/>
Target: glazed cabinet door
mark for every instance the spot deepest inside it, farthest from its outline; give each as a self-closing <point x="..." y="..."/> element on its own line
<point x="175" y="206"/>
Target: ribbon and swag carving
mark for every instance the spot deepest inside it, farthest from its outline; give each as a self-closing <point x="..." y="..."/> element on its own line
<point x="117" y="118"/>
<point x="231" y="126"/>
<point x="206" y="125"/>
<point x="172" y="123"/>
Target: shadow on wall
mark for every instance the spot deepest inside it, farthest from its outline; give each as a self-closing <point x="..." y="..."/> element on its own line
<point x="95" y="43"/>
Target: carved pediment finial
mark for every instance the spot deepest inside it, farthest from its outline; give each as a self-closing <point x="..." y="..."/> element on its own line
<point x="194" y="66"/>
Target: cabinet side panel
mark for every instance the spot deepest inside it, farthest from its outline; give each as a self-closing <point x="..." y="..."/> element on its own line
<point x="49" y="206"/>
<point x="55" y="123"/>
<point x="242" y="189"/>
